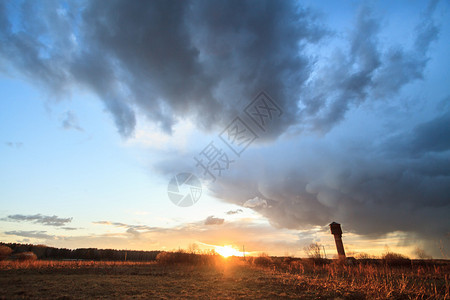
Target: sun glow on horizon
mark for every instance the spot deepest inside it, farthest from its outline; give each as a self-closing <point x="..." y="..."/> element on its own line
<point x="227" y="251"/>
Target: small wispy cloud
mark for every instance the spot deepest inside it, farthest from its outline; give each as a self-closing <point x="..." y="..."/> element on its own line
<point x="31" y="234"/>
<point x="211" y="220"/>
<point x="256" y="202"/>
<point x="14" y="144"/>
<point x="70" y="228"/>
<point x="233" y="212"/>
<point x="39" y="219"/>
<point x="70" y="121"/>
<point x="127" y="226"/>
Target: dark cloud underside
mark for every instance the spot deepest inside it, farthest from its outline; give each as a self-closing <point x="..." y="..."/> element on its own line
<point x="168" y="59"/>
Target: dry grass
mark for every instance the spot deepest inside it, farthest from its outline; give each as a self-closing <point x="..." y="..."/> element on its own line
<point x="230" y="278"/>
<point x="65" y="264"/>
<point x="380" y="279"/>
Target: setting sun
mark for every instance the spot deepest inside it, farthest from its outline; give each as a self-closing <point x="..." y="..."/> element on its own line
<point x="227" y="251"/>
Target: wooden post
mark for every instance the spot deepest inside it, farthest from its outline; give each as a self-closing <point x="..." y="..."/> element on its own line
<point x="337" y="232"/>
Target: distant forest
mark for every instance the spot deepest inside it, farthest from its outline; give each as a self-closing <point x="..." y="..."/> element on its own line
<point x="45" y="252"/>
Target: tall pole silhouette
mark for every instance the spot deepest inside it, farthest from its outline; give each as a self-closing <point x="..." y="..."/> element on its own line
<point x="337" y="232"/>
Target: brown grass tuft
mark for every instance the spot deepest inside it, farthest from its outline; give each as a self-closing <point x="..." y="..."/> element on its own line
<point x="5" y="251"/>
<point x="395" y="259"/>
<point x="26" y="256"/>
<point x="263" y="260"/>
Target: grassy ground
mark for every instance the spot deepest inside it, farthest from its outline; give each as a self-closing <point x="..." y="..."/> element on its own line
<point x="147" y="280"/>
<point x="226" y="279"/>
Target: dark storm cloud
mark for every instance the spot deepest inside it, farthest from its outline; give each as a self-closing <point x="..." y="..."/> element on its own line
<point x="200" y="59"/>
<point x="168" y="59"/>
<point x="364" y="71"/>
<point x="372" y="190"/>
<point x="430" y="140"/>
<point x="39" y="219"/>
<point x="433" y="136"/>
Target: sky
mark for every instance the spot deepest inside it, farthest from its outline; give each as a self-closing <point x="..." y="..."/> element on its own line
<point x="157" y="125"/>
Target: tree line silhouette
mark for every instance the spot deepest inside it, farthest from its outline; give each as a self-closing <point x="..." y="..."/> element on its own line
<point x="46" y="252"/>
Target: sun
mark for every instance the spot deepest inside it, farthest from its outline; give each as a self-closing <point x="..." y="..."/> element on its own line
<point x="227" y="251"/>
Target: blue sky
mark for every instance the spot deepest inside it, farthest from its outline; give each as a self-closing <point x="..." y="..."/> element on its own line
<point x="103" y="103"/>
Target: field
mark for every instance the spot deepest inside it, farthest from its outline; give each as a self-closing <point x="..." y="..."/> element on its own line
<point x="220" y="278"/>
